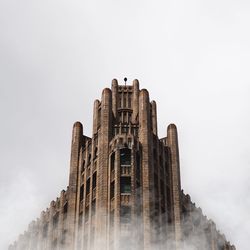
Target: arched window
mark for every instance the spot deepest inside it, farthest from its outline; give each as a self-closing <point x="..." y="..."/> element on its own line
<point x="125" y="156"/>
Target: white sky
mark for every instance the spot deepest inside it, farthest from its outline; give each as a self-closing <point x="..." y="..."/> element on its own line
<point x="192" y="56"/>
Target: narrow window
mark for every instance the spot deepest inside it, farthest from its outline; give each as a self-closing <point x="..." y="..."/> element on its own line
<point x="125" y="184"/>
<point x="125" y="156"/>
<point x="113" y="162"/>
<point x="55" y="220"/>
<point x="93" y="207"/>
<point x="94" y="181"/>
<point x="86" y="214"/>
<point x="83" y="166"/>
<point x="80" y="220"/>
<point x="89" y="159"/>
<point x="112" y="217"/>
<point x="81" y="192"/>
<point x="88" y="186"/>
<point x="112" y="190"/>
<point x="96" y="152"/>
<point x="125" y="214"/>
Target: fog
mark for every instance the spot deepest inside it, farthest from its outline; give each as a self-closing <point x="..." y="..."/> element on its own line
<point x="192" y="56"/>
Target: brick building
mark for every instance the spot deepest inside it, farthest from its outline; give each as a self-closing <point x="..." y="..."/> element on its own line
<point x="124" y="186"/>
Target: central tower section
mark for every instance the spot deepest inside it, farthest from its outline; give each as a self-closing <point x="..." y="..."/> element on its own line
<point x="127" y="192"/>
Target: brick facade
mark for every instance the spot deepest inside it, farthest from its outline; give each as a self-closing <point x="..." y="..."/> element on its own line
<point x="124" y="186"/>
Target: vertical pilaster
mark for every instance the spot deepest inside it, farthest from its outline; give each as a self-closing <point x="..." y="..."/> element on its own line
<point x="154" y="117"/>
<point x="145" y="138"/>
<point x="95" y="116"/>
<point x="114" y="97"/>
<point x="102" y="169"/>
<point x="135" y="100"/>
<point x="60" y="221"/>
<point x="172" y="139"/>
<point x="50" y="229"/>
<point x="77" y="137"/>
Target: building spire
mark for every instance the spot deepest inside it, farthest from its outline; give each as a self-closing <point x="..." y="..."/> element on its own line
<point x="125" y="80"/>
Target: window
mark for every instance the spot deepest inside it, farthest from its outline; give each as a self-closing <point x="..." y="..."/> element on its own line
<point x="80" y="220"/>
<point x="112" y="218"/>
<point x="125" y="214"/>
<point x="94" y="181"/>
<point x="55" y="220"/>
<point x="96" y="152"/>
<point x="125" y="156"/>
<point x="83" y="166"/>
<point x="112" y="161"/>
<point x="65" y="208"/>
<point x="93" y="207"/>
<point x="89" y="159"/>
<point x="86" y="214"/>
<point x="81" y="192"/>
<point x="88" y="186"/>
<point x="125" y="184"/>
<point x="112" y="190"/>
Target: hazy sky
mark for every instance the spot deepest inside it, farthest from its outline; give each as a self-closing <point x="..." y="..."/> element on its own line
<point x="193" y="57"/>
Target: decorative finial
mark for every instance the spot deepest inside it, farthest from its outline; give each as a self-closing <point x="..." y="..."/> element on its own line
<point x="125" y="80"/>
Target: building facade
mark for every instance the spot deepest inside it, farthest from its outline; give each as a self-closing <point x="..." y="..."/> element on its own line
<point x="124" y="187"/>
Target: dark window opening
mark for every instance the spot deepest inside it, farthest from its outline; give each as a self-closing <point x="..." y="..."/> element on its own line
<point x="65" y="208"/>
<point x="94" y="181"/>
<point x="80" y="219"/>
<point x="138" y="167"/>
<point x="112" y="190"/>
<point x="83" y="166"/>
<point x="86" y="214"/>
<point x="88" y="186"/>
<point x="93" y="207"/>
<point x="89" y="159"/>
<point x="113" y="162"/>
<point x="125" y="156"/>
<point x="82" y="193"/>
<point x="125" y="184"/>
<point x="55" y="220"/>
<point x="112" y="218"/>
<point x="125" y="214"/>
<point x="96" y="152"/>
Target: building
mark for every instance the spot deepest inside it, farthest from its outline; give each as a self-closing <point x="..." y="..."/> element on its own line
<point x="124" y="187"/>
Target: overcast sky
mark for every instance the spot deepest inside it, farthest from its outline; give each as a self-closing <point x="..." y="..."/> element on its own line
<point x="193" y="57"/>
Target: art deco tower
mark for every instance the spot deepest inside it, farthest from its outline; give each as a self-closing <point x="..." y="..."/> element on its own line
<point x="124" y="186"/>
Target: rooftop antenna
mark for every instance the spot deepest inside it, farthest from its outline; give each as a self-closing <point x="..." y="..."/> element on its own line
<point x="125" y="80"/>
